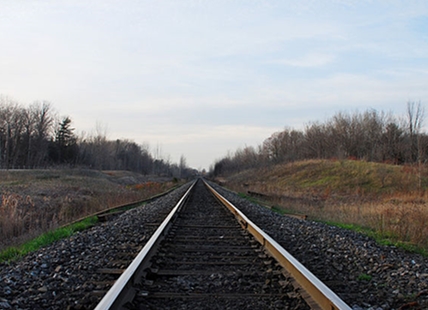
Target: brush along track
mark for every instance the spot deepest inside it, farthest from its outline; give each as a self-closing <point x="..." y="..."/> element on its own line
<point x="208" y="261"/>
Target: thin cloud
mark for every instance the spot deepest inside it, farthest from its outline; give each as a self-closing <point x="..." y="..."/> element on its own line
<point x="307" y="61"/>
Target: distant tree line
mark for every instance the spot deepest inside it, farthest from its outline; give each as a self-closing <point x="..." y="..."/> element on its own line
<point x="34" y="137"/>
<point x="370" y="135"/>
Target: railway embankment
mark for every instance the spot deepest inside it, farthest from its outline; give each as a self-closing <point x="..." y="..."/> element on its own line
<point x="364" y="274"/>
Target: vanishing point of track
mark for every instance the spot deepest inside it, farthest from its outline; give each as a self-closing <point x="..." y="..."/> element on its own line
<point x="208" y="255"/>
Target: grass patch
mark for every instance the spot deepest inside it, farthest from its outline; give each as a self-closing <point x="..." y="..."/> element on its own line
<point x="249" y="198"/>
<point x="261" y="203"/>
<point x="412" y="248"/>
<point x="364" y="277"/>
<point x="278" y="210"/>
<point x="13" y="253"/>
<point x="358" y="228"/>
<point x="382" y="238"/>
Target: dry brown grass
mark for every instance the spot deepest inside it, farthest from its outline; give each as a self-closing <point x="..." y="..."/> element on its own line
<point x="390" y="200"/>
<point x="33" y="202"/>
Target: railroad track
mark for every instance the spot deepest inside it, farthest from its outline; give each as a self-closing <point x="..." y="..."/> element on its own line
<point x="208" y="255"/>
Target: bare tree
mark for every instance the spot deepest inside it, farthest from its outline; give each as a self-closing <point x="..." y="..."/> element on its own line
<point x="317" y="141"/>
<point x="393" y="144"/>
<point x="43" y="122"/>
<point x="182" y="166"/>
<point x="415" y="118"/>
<point x="373" y="125"/>
<point x="11" y="128"/>
<point x="272" y="147"/>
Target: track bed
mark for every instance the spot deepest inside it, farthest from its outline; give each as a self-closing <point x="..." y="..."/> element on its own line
<point x="208" y="261"/>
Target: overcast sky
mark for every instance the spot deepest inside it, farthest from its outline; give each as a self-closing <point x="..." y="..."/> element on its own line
<point x="200" y="78"/>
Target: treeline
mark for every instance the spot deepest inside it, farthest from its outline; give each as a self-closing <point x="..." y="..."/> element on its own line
<point x="34" y="137"/>
<point x="370" y="135"/>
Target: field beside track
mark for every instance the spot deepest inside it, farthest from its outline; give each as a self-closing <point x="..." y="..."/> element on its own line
<point x="35" y="201"/>
<point x="386" y="201"/>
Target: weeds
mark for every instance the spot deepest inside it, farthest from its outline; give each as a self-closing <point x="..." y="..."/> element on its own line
<point x="364" y="277"/>
<point x="278" y="210"/>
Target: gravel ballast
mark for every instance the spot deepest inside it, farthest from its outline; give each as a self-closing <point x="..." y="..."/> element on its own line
<point x="66" y="274"/>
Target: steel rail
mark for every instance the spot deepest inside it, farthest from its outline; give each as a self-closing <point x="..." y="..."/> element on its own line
<point x="323" y="297"/>
<point x="122" y="288"/>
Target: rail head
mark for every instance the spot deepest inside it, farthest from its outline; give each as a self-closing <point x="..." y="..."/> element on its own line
<point x="112" y="299"/>
<point x="323" y="296"/>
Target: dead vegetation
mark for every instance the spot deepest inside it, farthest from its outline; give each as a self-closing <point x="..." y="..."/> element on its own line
<point x="35" y="201"/>
<point x="390" y="200"/>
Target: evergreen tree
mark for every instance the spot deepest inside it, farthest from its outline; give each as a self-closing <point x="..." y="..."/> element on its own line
<point x="64" y="149"/>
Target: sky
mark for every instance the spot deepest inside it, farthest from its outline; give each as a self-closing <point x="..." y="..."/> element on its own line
<point x="201" y="78"/>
